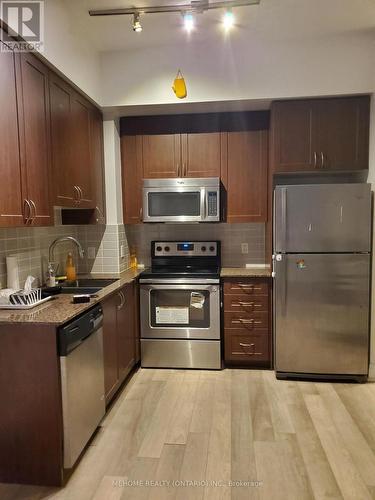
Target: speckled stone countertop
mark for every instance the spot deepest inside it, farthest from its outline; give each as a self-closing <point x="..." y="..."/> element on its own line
<point x="60" y="309"/>
<point x="244" y="272"/>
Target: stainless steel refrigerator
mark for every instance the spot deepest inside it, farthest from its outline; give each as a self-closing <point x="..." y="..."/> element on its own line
<point x="321" y="269"/>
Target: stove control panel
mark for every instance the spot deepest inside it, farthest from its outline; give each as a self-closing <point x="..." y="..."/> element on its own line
<point x="185" y="248"/>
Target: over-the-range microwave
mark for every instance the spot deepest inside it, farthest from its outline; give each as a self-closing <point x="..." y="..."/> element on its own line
<point x="181" y="200"/>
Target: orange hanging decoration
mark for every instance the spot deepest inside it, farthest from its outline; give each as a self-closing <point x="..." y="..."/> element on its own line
<point x="179" y="86"/>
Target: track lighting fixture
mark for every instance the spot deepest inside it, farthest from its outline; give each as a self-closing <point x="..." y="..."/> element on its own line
<point x="187" y="10"/>
<point x="188" y="21"/>
<point x="228" y="19"/>
<point x="137" y="26"/>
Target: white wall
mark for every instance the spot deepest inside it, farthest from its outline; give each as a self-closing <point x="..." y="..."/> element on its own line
<point x="69" y="51"/>
<point x="246" y="68"/>
<point x="112" y="162"/>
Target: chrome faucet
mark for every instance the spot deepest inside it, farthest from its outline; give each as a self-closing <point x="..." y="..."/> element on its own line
<point x="61" y="240"/>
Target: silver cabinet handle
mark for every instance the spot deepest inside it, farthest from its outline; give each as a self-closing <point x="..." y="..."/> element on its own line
<point x="27" y="207"/>
<point x="246" y="345"/>
<point x="178" y="170"/>
<point x="122" y="300"/>
<point x="315" y="159"/>
<point x="80" y="193"/>
<point x="76" y="196"/>
<point x="184" y="169"/>
<point x="34" y="210"/>
<point x="101" y="217"/>
<point x="322" y="158"/>
<point x="140" y="214"/>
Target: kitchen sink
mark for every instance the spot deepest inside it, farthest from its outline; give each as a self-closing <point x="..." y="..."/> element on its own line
<point x="86" y="285"/>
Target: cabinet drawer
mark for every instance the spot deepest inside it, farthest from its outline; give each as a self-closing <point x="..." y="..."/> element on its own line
<point x="247" y="348"/>
<point x="247" y="321"/>
<point x="254" y="287"/>
<point x="244" y="303"/>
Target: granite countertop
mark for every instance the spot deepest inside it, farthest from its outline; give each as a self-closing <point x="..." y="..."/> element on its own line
<point x="60" y="309"/>
<point x="245" y="272"/>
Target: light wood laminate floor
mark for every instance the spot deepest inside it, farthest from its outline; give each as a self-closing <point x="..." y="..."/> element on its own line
<point x="213" y="435"/>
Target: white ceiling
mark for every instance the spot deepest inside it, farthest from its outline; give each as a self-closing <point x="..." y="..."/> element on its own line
<point x="271" y="20"/>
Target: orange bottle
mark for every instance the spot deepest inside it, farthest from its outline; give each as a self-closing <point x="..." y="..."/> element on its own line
<point x="70" y="269"/>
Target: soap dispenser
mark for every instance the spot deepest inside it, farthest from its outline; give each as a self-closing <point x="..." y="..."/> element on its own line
<point x="70" y="269"/>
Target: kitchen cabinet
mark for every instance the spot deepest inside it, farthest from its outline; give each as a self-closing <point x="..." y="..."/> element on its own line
<point x="161" y="156"/>
<point x="11" y="201"/>
<point x="97" y="163"/>
<point x="34" y="131"/>
<point x="316" y="135"/>
<point x="247" y="320"/>
<point x="71" y="146"/>
<point x="244" y="176"/>
<point x="181" y="155"/>
<point x="131" y="163"/>
<point x="119" y="337"/>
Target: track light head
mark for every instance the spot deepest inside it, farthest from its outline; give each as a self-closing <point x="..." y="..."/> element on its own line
<point x="228" y="19"/>
<point x="137" y="26"/>
<point x="189" y="21"/>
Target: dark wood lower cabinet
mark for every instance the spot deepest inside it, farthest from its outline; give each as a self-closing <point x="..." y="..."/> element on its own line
<point x="247" y="322"/>
<point x="120" y="337"/>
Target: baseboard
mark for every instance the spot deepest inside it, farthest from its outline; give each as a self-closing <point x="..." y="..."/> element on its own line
<point x="371" y="373"/>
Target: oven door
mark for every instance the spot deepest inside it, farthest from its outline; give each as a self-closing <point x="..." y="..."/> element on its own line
<point x="174" y="204"/>
<point x="173" y="311"/>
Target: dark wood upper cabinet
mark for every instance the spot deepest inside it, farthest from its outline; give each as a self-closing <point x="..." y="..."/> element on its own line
<point x="97" y="162"/>
<point x="244" y="176"/>
<point x="201" y="155"/>
<point x="72" y="153"/>
<point x="65" y="193"/>
<point x="161" y="156"/>
<point x="343" y="133"/>
<point x="131" y="163"/>
<point x="11" y="201"/>
<point x="292" y="136"/>
<point x="320" y="134"/>
<point x="34" y="115"/>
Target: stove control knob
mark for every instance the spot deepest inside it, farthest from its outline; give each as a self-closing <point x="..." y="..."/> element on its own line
<point x="166" y="249"/>
<point x="203" y="249"/>
<point x="159" y="249"/>
<point x="212" y="249"/>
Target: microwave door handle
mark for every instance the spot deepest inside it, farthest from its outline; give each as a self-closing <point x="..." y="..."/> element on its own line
<point x="203" y="204"/>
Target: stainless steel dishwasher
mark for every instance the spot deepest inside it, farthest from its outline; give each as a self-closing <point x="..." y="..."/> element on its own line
<point x="82" y="381"/>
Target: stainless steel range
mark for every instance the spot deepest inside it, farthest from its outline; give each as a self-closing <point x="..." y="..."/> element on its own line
<point x="180" y="306"/>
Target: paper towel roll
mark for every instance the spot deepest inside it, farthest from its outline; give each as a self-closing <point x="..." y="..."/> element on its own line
<point x="13" y="280"/>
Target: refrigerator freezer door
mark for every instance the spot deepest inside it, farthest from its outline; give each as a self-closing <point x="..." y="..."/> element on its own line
<point x="322" y="218"/>
<point x="322" y="313"/>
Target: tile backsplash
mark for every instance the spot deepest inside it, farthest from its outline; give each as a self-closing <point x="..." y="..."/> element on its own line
<point x="109" y="242"/>
<point x="230" y="235"/>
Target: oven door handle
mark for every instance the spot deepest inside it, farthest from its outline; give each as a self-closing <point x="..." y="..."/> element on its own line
<point x="213" y="288"/>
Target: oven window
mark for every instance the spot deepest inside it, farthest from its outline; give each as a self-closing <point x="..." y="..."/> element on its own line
<point x="174" y="204"/>
<point x="180" y="308"/>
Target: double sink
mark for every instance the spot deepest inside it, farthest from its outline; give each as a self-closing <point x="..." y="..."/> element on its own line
<point x="86" y="285"/>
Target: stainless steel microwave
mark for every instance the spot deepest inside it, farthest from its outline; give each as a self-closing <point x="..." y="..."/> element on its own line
<point x="181" y="200"/>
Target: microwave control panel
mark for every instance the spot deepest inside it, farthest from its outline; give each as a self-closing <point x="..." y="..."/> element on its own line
<point x="212" y="203"/>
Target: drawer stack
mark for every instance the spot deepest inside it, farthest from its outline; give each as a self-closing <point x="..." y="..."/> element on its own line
<point x="247" y="336"/>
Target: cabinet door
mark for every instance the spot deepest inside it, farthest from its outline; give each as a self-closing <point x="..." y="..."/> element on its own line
<point x="97" y="165"/>
<point x="11" y="204"/>
<point x="34" y="118"/>
<point x="82" y="171"/>
<point x="111" y="373"/>
<point x="343" y="133"/>
<point x="293" y="136"/>
<point x="246" y="176"/>
<point x="126" y="331"/>
<point x="131" y="162"/>
<point x="201" y="155"/>
<point x="161" y="156"/>
<point x="65" y="195"/>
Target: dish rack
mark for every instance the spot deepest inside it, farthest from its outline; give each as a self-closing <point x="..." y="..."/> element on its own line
<point x="25" y="300"/>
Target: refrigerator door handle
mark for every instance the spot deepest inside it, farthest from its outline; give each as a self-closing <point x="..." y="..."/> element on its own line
<point x="280" y="273"/>
<point x="283" y="218"/>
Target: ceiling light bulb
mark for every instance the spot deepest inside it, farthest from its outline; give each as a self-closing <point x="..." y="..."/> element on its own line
<point x="188" y="21"/>
<point x="137" y="26"/>
<point x="228" y="19"/>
